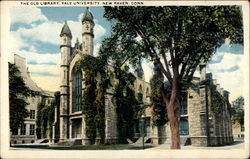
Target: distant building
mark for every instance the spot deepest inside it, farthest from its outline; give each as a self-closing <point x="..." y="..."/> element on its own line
<point x="200" y="125"/>
<point x="238" y="131"/>
<point x="27" y="131"/>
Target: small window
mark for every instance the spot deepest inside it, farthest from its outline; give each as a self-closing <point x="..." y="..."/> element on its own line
<point x="242" y="128"/>
<point x="23" y="129"/>
<point x="32" y="114"/>
<point x="140" y="97"/>
<point x="15" y="132"/>
<point x="32" y="129"/>
<point x="87" y="27"/>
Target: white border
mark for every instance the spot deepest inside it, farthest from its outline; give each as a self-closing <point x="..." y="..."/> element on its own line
<point x="196" y="153"/>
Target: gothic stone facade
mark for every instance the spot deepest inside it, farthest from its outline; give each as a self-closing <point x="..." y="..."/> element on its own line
<point x="198" y="122"/>
<point x="26" y="133"/>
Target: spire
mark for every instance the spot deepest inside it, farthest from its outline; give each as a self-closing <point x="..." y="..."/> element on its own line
<point x="66" y="30"/>
<point x="87" y="16"/>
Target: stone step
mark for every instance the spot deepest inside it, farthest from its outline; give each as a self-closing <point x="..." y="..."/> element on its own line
<point x="39" y="141"/>
<point x="140" y="140"/>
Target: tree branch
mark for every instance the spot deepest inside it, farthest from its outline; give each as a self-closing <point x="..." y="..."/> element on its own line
<point x="168" y="74"/>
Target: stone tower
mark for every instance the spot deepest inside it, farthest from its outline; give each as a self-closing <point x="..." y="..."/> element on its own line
<point x="65" y="47"/>
<point x="87" y="32"/>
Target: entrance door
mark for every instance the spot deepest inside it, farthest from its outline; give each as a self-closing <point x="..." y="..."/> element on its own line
<point x="77" y="128"/>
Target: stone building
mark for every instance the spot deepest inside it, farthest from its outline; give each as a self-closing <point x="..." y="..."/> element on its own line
<point x="200" y="124"/>
<point x="238" y="131"/>
<point x="205" y="115"/>
<point x="71" y="120"/>
<point x="27" y="132"/>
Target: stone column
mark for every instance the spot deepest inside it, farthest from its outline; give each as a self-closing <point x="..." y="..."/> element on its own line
<point x="227" y="124"/>
<point x="231" y="130"/>
<point x="54" y="126"/>
<point x="70" y="129"/>
<point x="85" y="139"/>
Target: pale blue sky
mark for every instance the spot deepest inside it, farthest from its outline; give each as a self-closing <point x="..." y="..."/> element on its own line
<point x="35" y="32"/>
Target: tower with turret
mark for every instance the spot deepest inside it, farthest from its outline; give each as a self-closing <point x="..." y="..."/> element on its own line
<point x="88" y="33"/>
<point x="65" y="47"/>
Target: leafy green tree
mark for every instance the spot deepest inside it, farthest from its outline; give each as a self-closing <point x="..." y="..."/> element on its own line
<point x="18" y="93"/>
<point x="127" y="106"/>
<point x="159" y="112"/>
<point x="238" y="111"/>
<point x="176" y="39"/>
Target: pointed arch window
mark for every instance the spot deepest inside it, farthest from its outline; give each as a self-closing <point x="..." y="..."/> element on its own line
<point x="78" y="91"/>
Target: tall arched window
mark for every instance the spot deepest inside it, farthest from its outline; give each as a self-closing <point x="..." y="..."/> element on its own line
<point x="78" y="91"/>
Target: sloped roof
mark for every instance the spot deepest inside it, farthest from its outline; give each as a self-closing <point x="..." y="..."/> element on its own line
<point x="20" y="62"/>
<point x="88" y="16"/>
<point x="66" y="30"/>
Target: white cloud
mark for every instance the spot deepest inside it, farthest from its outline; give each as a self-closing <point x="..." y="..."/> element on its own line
<point x="26" y="15"/>
<point x="48" y="69"/>
<point x="148" y="71"/>
<point x="96" y="49"/>
<point x="80" y="17"/>
<point x="47" y="32"/>
<point x="228" y="61"/>
<point x="99" y="31"/>
<point x="40" y="58"/>
<point x="229" y="80"/>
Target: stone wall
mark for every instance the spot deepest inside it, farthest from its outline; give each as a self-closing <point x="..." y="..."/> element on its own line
<point x="196" y="129"/>
<point x="111" y="134"/>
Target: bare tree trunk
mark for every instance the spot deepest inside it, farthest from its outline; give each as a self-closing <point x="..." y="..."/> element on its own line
<point x="174" y="115"/>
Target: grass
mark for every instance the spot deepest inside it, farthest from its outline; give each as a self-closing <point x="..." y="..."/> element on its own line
<point x="87" y="147"/>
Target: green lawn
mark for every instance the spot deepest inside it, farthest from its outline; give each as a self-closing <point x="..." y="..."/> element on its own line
<point x="87" y="147"/>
